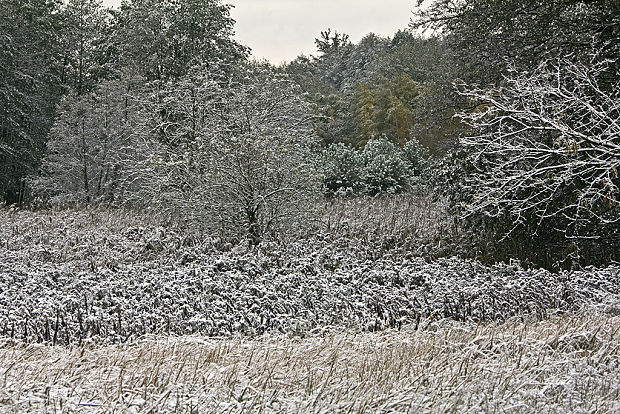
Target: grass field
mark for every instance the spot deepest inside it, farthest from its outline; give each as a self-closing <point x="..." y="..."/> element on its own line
<point x="565" y="364"/>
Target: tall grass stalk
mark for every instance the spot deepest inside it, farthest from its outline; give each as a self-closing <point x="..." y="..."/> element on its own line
<point x="567" y="363"/>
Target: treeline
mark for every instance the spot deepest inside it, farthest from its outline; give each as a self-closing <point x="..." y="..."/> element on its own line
<point x="155" y="104"/>
<point x="397" y="88"/>
<point x="510" y="110"/>
<point x="53" y="55"/>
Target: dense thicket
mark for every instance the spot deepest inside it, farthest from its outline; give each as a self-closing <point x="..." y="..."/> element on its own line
<point x="540" y="154"/>
<point x="69" y="73"/>
<point x="30" y="86"/>
<point x="392" y="88"/>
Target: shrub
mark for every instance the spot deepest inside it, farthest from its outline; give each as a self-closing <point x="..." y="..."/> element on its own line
<point x="238" y="160"/>
<point x="385" y="170"/>
<point x="537" y="171"/>
<point x="381" y="167"/>
<point x="342" y="168"/>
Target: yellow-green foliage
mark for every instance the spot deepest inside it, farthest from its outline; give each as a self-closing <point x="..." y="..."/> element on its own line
<point x="386" y="108"/>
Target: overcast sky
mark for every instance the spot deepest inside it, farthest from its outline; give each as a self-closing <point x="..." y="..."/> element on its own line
<point x="280" y="30"/>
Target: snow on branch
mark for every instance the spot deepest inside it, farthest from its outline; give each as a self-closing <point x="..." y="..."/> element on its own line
<point x="545" y="146"/>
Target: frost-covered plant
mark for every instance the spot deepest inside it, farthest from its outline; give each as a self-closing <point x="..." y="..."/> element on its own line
<point x="417" y="156"/>
<point x="342" y="168"/>
<point x="385" y="169"/>
<point x="237" y="158"/>
<point x="543" y="155"/>
<point x="69" y="276"/>
<point x="563" y="364"/>
<point x="381" y="167"/>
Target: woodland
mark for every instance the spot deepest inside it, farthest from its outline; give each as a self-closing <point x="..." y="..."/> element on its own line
<point x="423" y="222"/>
<point x="506" y="110"/>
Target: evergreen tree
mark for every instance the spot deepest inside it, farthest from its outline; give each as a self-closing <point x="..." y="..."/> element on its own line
<point x="30" y="78"/>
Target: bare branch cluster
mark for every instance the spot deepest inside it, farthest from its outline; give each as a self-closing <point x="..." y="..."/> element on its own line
<point x="545" y="149"/>
<point x="237" y="158"/>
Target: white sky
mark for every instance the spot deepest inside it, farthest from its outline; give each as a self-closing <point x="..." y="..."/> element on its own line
<point x="280" y="30"/>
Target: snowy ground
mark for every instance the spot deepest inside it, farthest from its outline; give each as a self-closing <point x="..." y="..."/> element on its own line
<point x="106" y="311"/>
<point x="69" y="277"/>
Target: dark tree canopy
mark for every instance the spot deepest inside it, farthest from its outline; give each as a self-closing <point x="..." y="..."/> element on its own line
<point x="30" y="32"/>
<point x="164" y="39"/>
<point x="488" y="34"/>
<point x="50" y="48"/>
<point x="539" y="156"/>
<point x="83" y="33"/>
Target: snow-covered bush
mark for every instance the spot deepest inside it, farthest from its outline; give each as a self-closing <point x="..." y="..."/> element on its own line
<point x="342" y="168"/>
<point x="70" y="276"/>
<point x="381" y="167"/>
<point x="385" y="169"/>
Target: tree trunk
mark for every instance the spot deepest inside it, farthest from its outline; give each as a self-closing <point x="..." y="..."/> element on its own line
<point x="253" y="227"/>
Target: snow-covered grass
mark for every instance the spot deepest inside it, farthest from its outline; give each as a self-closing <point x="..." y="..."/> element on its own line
<point x="399" y="219"/>
<point x="565" y="363"/>
<point x="115" y="312"/>
<point x="108" y="277"/>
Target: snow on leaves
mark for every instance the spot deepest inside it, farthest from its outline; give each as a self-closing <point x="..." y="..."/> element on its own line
<point x="69" y="277"/>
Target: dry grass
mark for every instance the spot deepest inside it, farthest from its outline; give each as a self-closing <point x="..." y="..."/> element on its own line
<point x="409" y="225"/>
<point x="568" y="363"/>
<point x="400" y="216"/>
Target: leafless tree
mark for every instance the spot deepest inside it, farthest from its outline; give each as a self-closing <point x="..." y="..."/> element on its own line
<point x="236" y="158"/>
<point x="89" y="145"/>
<point x="545" y="150"/>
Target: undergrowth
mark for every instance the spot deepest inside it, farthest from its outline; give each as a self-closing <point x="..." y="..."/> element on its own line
<point x="113" y="276"/>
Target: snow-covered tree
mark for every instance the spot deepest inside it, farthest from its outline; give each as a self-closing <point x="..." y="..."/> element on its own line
<point x="85" y="23"/>
<point x="380" y="167"/>
<point x="90" y="146"/>
<point x="385" y="169"/>
<point x="236" y="158"/>
<point x="485" y="36"/>
<point x="545" y="152"/>
<point x="163" y="39"/>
